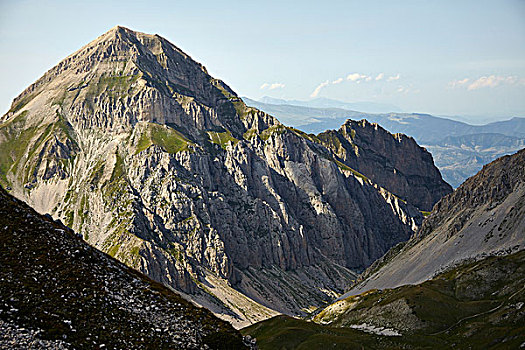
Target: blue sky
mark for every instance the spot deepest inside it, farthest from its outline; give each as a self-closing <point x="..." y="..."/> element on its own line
<point x="440" y="57"/>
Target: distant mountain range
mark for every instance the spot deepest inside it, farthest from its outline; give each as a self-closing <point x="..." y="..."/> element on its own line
<point x="443" y="137"/>
<point x="322" y="102"/>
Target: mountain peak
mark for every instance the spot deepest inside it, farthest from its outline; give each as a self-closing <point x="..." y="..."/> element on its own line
<point x="122" y="65"/>
<point x="154" y="161"/>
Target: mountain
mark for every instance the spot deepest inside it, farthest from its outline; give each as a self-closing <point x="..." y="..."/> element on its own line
<point x="135" y="146"/>
<point x="396" y="162"/>
<point x="485" y="215"/>
<point x="457" y="283"/>
<point x="58" y="292"/>
<point x="456" y="162"/>
<point x="321" y="102"/>
<point x="472" y="306"/>
<point x="458" y="157"/>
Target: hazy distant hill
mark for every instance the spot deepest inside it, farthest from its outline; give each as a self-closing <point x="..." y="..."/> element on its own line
<point x="459" y="149"/>
<point x="458" y="157"/>
<point x="321" y="102"/>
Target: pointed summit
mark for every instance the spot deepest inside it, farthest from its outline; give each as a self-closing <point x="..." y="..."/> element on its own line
<point x="98" y="85"/>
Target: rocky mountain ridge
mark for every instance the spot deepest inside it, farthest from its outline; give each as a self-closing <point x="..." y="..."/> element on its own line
<point x="131" y="143"/>
<point x="457" y="283"/>
<point x="396" y="162"/>
<point x="459" y="149"/>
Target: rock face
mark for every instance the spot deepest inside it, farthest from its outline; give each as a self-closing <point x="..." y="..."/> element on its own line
<point x="395" y="162"/>
<point x="459" y="150"/>
<point x="57" y="292"/>
<point x="131" y="143"/>
<point x="484" y="216"/>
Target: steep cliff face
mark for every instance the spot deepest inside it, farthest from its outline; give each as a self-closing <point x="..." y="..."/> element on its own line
<point x="395" y="162"/>
<point x="131" y="143"/>
<point x="484" y="216"/>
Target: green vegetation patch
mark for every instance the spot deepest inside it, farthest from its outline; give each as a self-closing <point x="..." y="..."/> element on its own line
<point x="114" y="250"/>
<point x="331" y="140"/>
<point x="221" y="138"/>
<point x="169" y="139"/>
<point x="311" y="137"/>
<point x="475" y="305"/>
<point x="15" y="144"/>
<point x="18" y="105"/>
<point x="273" y="130"/>
<point x="114" y="85"/>
<point x="355" y="172"/>
<point x="250" y="134"/>
<point x="21" y="142"/>
<point x="284" y="332"/>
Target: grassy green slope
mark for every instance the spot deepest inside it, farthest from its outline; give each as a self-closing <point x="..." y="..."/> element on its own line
<point x="477" y="305"/>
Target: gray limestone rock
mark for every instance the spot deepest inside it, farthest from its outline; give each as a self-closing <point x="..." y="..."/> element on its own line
<point x="135" y="146"/>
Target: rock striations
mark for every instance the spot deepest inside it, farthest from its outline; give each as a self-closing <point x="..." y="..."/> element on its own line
<point x="395" y="162"/>
<point x="457" y="283"/>
<point x="57" y="292"/>
<point x="484" y="216"/>
<point x="135" y="146"/>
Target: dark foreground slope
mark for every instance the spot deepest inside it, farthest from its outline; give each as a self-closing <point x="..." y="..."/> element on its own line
<point x="476" y="305"/>
<point x="58" y="292"/>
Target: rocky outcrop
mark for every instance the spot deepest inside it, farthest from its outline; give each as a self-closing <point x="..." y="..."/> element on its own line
<point x="131" y="143"/>
<point x="395" y="162"/>
<point x="57" y="292"/>
<point x="484" y="216"/>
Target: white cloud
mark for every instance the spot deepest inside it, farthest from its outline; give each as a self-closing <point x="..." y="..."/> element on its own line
<point x="338" y="81"/>
<point x="368" y="78"/>
<point x="492" y="81"/>
<point x="355" y="76"/>
<point x="276" y="86"/>
<point x="272" y="86"/>
<point x="458" y="83"/>
<point x="392" y="78"/>
<point x="318" y="89"/>
<point x="406" y="89"/>
<point x="380" y="76"/>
